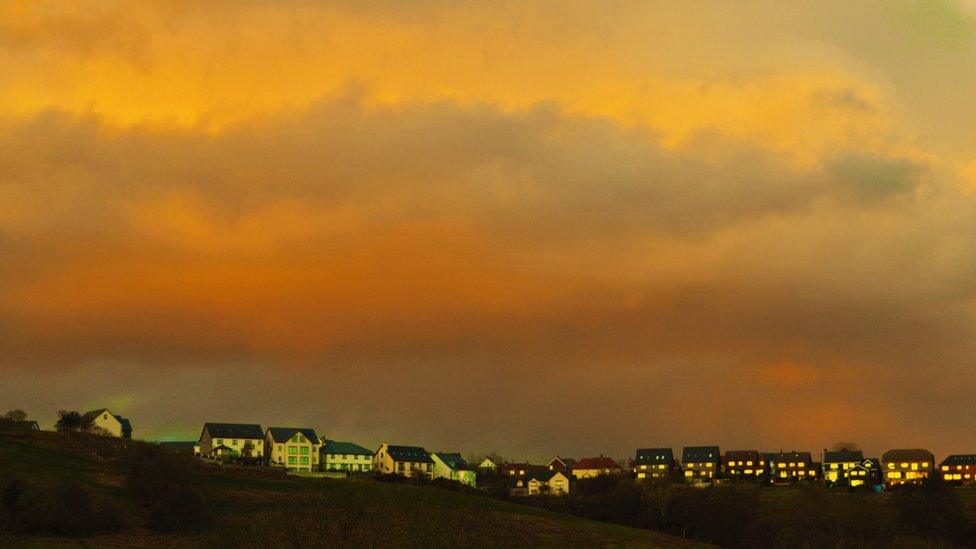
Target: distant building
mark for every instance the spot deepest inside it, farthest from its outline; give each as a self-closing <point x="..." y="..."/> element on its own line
<point x="407" y="461"/>
<point x="519" y="470"/>
<point x="102" y="421"/>
<point x="294" y="448"/>
<point x="345" y="456"/>
<point x="10" y="426"/>
<point x="540" y="483"/>
<point x="700" y="463"/>
<point x="959" y="469"/>
<point x="787" y="467"/>
<point x="232" y="439"/>
<point x="561" y="464"/>
<point x="183" y="447"/>
<point x="744" y="464"/>
<point x="654" y="464"/>
<point x="838" y="464"/>
<point x="453" y="467"/>
<point x="912" y="465"/>
<point x="594" y="467"/>
<point x="865" y="473"/>
<point x="488" y="464"/>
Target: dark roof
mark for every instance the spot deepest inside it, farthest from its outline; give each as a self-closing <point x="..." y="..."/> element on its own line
<point x="413" y="454"/>
<point x="959" y="459"/>
<point x="654" y="455"/>
<point x="180" y="446"/>
<point x="89" y="417"/>
<point x="907" y="454"/>
<point x="741" y="455"/>
<point x="284" y="434"/>
<point x="792" y="455"/>
<point x="843" y="456"/>
<point x="700" y="454"/>
<point x="541" y="476"/>
<point x="454" y="461"/>
<point x="234" y="430"/>
<point x="595" y="463"/>
<point x="523" y="466"/>
<point x="11" y="426"/>
<point x="335" y="447"/>
<point x="126" y="426"/>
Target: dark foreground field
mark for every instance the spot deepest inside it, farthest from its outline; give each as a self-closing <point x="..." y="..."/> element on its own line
<point x="82" y="490"/>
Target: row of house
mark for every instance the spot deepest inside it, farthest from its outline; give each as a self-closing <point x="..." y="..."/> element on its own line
<point x="301" y="449"/>
<point x="705" y="464"/>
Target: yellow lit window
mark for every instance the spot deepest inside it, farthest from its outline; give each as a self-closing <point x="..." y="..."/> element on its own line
<point x="781" y="465"/>
<point x="749" y="463"/>
<point x="731" y="463"/>
<point x="662" y="466"/>
<point x="748" y="471"/>
<point x="709" y="464"/>
<point x="914" y="467"/>
<point x="891" y="465"/>
<point x="801" y="465"/>
<point x="688" y="473"/>
<point x="904" y="466"/>
<point x="945" y="467"/>
<point x="643" y="467"/>
<point x="792" y="464"/>
<point x="925" y="465"/>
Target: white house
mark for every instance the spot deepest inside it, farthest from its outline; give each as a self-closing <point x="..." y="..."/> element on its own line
<point x="345" y="457"/>
<point x="453" y="467"/>
<point x="103" y="421"/>
<point x="294" y="448"/>
<point x="537" y="483"/>
<point x="232" y="439"/>
<point x="488" y="465"/>
<point x="402" y="460"/>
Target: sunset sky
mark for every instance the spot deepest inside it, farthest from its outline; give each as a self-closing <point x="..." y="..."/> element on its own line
<point x="529" y="227"/>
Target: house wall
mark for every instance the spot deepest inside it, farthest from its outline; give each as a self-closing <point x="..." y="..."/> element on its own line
<point x="901" y="472"/>
<point x="298" y="454"/>
<point x="208" y="443"/>
<point x="382" y="462"/>
<point x="107" y="422"/>
<point x="347" y="462"/>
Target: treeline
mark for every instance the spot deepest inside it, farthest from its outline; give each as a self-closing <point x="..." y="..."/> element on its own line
<point x="809" y="515"/>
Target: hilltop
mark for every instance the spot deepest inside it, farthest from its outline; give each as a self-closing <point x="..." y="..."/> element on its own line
<point x="137" y="494"/>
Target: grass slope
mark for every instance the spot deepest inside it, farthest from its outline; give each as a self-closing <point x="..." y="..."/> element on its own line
<point x="272" y="509"/>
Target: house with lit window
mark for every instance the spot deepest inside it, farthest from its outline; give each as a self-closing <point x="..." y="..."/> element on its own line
<point x="792" y="466"/>
<point x="700" y="464"/>
<point x="907" y="465"/>
<point x="866" y="473"/>
<point x="294" y="448"/>
<point x="231" y="440"/>
<point x="104" y="422"/>
<point x="453" y="467"/>
<point x="541" y="483"/>
<point x="519" y="470"/>
<point x="345" y="457"/>
<point x="408" y="461"/>
<point x="488" y="464"/>
<point x="743" y="465"/>
<point x="594" y="467"/>
<point x="838" y="464"/>
<point x="959" y="469"/>
<point x="654" y="464"/>
<point x="561" y="464"/>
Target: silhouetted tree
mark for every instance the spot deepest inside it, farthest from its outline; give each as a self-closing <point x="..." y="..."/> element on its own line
<point x="16" y="415"/>
<point x="68" y="421"/>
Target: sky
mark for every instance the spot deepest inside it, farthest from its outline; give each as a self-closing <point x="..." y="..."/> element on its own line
<point x="528" y="227"/>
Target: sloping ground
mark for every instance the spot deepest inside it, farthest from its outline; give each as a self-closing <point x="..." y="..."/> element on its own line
<point x="259" y="510"/>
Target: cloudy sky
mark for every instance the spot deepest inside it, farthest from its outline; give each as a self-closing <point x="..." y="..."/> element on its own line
<point x="528" y="227"/>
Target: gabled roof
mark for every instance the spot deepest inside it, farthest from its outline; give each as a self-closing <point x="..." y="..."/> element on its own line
<point x="870" y="463"/>
<point x="348" y="448"/>
<point x="90" y="416"/>
<point x="413" y="454"/>
<point x="646" y="456"/>
<point x="284" y="434"/>
<point x="959" y="459"/>
<point x="792" y="455"/>
<point x="595" y="463"/>
<point x="454" y="461"/>
<point x="741" y="455"/>
<point x="843" y="456"/>
<point x="700" y="454"/>
<point x="567" y="462"/>
<point x="907" y="454"/>
<point x="234" y="430"/>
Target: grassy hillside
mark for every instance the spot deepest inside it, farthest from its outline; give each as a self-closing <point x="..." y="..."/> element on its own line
<point x="250" y="509"/>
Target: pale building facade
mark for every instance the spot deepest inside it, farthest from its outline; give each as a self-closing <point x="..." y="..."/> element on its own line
<point x="294" y="448"/>
<point x="232" y="439"/>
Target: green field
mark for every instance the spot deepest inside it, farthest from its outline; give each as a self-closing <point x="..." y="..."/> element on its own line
<point x="267" y="509"/>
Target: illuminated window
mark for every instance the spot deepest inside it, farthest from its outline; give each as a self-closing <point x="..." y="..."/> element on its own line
<point x="662" y="466"/>
<point x="945" y="467"/>
<point x="891" y="465"/>
<point x="925" y="465"/>
<point x="731" y="463"/>
<point x="748" y="471"/>
<point x="801" y="465"/>
<point x="792" y="464"/>
<point x="688" y="473"/>
<point x="914" y="467"/>
<point x="781" y="465"/>
<point x="749" y="463"/>
<point x="709" y="464"/>
<point x="904" y="465"/>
